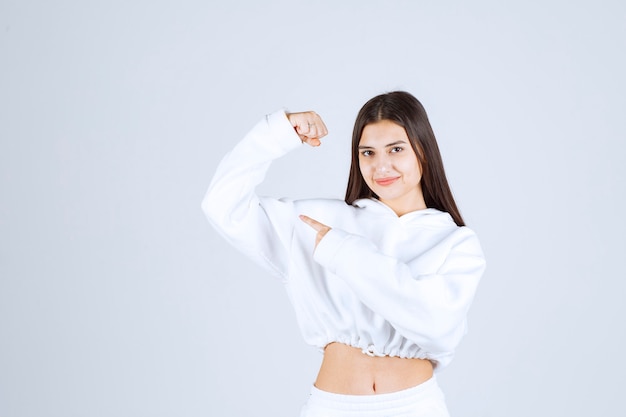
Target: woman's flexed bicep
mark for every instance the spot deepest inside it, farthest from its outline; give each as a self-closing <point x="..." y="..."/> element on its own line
<point x="260" y="227"/>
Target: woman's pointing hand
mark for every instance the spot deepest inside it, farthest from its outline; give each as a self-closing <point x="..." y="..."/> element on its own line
<point x="321" y="229"/>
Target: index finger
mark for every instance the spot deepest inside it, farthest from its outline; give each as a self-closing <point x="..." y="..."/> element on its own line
<point x="313" y="223"/>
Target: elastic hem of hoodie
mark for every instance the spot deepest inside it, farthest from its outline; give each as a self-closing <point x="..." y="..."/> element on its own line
<point x="370" y="349"/>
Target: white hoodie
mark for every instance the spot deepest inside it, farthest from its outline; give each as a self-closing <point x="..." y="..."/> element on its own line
<point x="389" y="285"/>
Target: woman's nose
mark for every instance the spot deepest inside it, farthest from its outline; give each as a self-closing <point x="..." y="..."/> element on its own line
<point x="382" y="165"/>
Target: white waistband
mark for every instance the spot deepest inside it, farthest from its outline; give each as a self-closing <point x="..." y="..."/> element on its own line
<point x="375" y="401"/>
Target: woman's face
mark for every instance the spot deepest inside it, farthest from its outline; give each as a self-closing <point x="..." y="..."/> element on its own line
<point x="390" y="167"/>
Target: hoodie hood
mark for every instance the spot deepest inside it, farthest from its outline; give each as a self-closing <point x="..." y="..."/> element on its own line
<point x="432" y="215"/>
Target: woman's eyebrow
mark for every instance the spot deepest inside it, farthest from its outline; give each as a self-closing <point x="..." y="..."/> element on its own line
<point x="398" y="142"/>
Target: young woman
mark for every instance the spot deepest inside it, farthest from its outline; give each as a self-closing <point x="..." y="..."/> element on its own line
<point x="382" y="281"/>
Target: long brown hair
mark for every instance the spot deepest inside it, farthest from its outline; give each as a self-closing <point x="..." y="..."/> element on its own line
<point x="405" y="110"/>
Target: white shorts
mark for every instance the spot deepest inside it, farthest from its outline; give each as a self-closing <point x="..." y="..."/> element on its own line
<point x="424" y="400"/>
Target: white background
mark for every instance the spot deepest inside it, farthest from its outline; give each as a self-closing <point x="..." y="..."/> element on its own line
<point x="118" y="299"/>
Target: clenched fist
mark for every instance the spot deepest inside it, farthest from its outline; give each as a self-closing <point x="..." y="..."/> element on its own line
<point x="309" y="126"/>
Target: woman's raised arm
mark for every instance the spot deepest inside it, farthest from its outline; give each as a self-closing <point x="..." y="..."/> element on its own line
<point x="260" y="227"/>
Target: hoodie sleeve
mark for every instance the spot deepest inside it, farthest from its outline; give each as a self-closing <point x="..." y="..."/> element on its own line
<point x="259" y="227"/>
<point x="425" y="299"/>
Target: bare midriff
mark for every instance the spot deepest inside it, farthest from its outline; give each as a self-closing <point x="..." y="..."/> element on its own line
<point x="347" y="370"/>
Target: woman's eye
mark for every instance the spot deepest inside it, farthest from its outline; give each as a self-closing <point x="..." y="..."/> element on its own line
<point x="367" y="153"/>
<point x="396" y="149"/>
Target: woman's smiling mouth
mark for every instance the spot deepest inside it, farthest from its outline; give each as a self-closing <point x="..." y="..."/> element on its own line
<point x="386" y="181"/>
